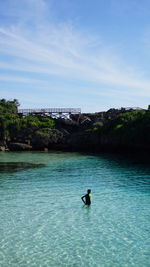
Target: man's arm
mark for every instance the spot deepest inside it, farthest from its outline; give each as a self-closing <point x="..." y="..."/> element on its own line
<point x="83" y="199"/>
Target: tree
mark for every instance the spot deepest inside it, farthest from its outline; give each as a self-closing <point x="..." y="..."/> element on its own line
<point x="9" y="106"/>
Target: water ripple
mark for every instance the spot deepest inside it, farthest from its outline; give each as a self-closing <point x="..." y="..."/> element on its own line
<point x="44" y="223"/>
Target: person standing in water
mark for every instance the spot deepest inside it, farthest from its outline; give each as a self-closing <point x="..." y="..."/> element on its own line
<point x="87" y="198"/>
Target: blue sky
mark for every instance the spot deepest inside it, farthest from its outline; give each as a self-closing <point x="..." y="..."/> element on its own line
<point x="75" y="53"/>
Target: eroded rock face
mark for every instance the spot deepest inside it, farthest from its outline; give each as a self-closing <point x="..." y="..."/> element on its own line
<point x="19" y="147"/>
<point x="2" y="148"/>
<point x="83" y="140"/>
<point x="46" y="138"/>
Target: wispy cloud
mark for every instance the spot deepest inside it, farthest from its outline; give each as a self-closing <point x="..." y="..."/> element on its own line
<point x="61" y="50"/>
<point x="11" y="78"/>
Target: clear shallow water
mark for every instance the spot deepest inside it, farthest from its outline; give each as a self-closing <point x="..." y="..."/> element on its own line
<point x="44" y="223"/>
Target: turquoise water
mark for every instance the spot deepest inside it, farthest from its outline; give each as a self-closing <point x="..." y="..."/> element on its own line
<point x="44" y="223"/>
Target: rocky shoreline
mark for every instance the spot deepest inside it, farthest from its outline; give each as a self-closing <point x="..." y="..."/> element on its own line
<point x="97" y="132"/>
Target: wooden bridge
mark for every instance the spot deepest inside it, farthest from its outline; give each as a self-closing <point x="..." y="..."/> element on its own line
<point x="52" y="112"/>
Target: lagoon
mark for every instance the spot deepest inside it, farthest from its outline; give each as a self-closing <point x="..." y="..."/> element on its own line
<point x="44" y="223"/>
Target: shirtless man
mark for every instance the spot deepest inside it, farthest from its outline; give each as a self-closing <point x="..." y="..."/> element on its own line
<point x="87" y="198"/>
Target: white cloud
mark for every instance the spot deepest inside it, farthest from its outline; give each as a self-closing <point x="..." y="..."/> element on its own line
<point x="12" y="78"/>
<point x="60" y="50"/>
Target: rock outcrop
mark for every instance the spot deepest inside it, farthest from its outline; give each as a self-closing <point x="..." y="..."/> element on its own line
<point x="114" y="130"/>
<point x="19" y="147"/>
<point x="2" y="148"/>
<point x="46" y="138"/>
<point x="83" y="140"/>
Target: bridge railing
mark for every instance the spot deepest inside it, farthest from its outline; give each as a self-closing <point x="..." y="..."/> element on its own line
<point x="50" y="110"/>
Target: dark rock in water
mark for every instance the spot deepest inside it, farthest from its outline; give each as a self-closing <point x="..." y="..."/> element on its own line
<point x="62" y="170"/>
<point x="17" y="166"/>
<point x="19" y="147"/>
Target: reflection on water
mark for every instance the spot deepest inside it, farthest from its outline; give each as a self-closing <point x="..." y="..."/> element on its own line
<point x="17" y="166"/>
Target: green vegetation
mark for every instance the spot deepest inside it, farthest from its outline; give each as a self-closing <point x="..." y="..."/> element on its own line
<point x="38" y="122"/>
<point x="12" y="125"/>
<point x="129" y="128"/>
<point x="8" y="106"/>
<point x="115" y="129"/>
<point x="8" y="118"/>
<point x="97" y="126"/>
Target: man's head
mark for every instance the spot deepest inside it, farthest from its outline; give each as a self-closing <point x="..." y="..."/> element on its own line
<point x="89" y="191"/>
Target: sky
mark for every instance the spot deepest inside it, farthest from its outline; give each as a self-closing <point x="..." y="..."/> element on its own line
<point x="88" y="54"/>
